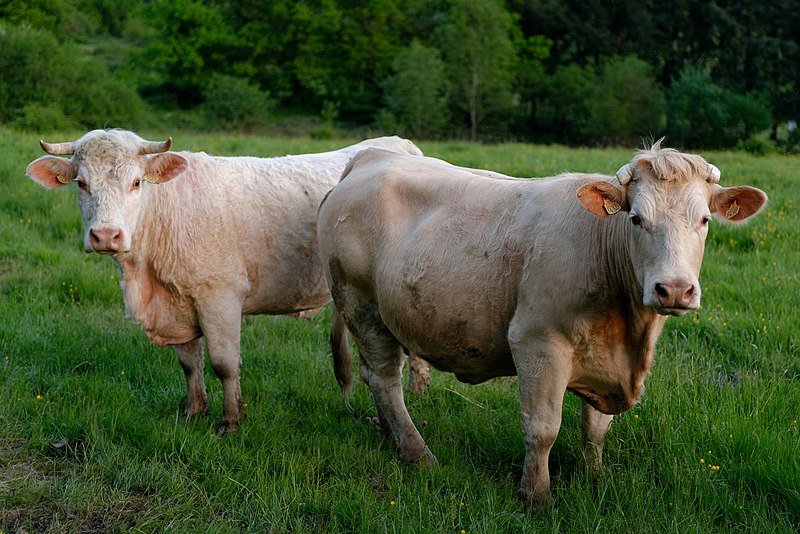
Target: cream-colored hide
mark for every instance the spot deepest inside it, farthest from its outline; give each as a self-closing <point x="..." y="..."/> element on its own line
<point x="565" y="281"/>
<point x="202" y="240"/>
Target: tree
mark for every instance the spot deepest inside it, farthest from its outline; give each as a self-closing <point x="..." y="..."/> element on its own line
<point x="476" y="41"/>
<point x="626" y="105"/>
<point x="416" y="94"/>
<point x="192" y="40"/>
<point x="701" y="113"/>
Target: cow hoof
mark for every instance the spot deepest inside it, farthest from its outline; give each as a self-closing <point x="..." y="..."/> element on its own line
<point x="192" y="412"/>
<point x="225" y="428"/>
<point x="426" y="457"/>
<point x="537" y="501"/>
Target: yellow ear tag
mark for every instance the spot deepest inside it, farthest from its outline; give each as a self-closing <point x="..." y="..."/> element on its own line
<point x="63" y="179"/>
<point x="150" y="178"/>
<point x="610" y="206"/>
<point x="733" y="209"/>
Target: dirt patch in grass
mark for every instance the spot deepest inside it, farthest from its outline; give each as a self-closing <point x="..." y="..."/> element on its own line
<point x="40" y="481"/>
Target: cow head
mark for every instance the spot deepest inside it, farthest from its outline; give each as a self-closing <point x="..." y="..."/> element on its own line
<point x="667" y="200"/>
<point x="111" y="169"/>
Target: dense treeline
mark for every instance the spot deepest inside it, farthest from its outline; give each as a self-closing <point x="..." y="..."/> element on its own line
<point x="709" y="74"/>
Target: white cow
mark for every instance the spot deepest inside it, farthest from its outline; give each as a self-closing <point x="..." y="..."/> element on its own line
<point x="564" y="281"/>
<point x="202" y="240"/>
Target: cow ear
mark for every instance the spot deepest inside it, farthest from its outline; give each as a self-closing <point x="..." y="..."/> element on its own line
<point x="51" y="171"/>
<point x="737" y="204"/>
<point x="164" y="167"/>
<point x="601" y="198"/>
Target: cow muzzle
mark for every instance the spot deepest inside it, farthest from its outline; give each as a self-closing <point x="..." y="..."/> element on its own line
<point x="675" y="297"/>
<point x="107" y="240"/>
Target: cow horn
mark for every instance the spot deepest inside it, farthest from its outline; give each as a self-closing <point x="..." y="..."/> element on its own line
<point x="625" y="174"/>
<point x="154" y="147"/>
<point x="713" y="174"/>
<point x="58" y="149"/>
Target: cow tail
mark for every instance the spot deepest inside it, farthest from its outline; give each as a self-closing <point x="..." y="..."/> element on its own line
<point x="342" y="355"/>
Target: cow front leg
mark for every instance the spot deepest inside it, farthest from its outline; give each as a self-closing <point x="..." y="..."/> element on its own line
<point x="544" y="371"/>
<point x="190" y="356"/>
<point x="382" y="370"/>
<point x="594" y="427"/>
<point x="221" y="320"/>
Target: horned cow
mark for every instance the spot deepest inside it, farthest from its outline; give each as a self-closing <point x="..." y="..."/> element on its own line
<point x="564" y="281"/>
<point x="201" y="240"/>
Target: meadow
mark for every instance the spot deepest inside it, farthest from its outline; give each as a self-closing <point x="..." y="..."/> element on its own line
<point x="92" y="439"/>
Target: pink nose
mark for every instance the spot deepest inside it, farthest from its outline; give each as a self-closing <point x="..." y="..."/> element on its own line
<point x="106" y="239"/>
<point x="675" y="294"/>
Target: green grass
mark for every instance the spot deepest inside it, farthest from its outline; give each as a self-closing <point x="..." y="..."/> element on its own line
<point x="91" y="438"/>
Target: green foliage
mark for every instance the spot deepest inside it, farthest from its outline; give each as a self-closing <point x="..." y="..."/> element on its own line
<point x="511" y="66"/>
<point x="38" y="117"/>
<point x="41" y="74"/>
<point x="701" y="113"/>
<point x="565" y="104"/>
<point x="626" y="105"/>
<point x="478" y="48"/>
<point x="416" y="94"/>
<point x="235" y="104"/>
<point x="192" y="41"/>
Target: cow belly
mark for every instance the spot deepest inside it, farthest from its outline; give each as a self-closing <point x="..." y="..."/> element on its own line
<point x="474" y="350"/>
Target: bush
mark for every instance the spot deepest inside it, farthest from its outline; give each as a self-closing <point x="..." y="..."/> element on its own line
<point x="700" y="113"/>
<point x="416" y="95"/>
<point x="37" y="117"/>
<point x="40" y="74"/>
<point x="565" y="104"/>
<point x="626" y="104"/>
<point x="757" y="146"/>
<point x="235" y="104"/>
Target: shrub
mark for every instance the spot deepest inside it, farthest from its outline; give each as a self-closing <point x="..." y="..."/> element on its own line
<point x="416" y="95"/>
<point x="37" y="117"/>
<point x="626" y="104"/>
<point x="700" y="113"/>
<point x="757" y="146"/>
<point x="40" y="74"/>
<point x="565" y="104"/>
<point x="235" y="103"/>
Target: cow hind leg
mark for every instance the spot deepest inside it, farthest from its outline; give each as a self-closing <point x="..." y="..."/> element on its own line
<point x="381" y="369"/>
<point x="190" y="356"/>
<point x="594" y="427"/>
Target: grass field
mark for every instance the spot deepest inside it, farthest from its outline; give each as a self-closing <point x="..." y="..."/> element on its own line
<point x="91" y="439"/>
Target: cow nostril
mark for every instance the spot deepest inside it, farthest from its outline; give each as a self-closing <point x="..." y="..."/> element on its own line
<point x="662" y="291"/>
<point x="94" y="237"/>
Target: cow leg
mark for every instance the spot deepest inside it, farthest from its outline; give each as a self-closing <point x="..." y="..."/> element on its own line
<point x="419" y="374"/>
<point x="190" y="356"/>
<point x="594" y="427"/>
<point x="544" y="370"/>
<point x="382" y="370"/>
<point x="221" y="321"/>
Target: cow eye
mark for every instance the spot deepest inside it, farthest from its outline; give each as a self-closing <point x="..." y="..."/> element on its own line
<point x="136" y="183"/>
<point x="82" y="185"/>
<point x="635" y="219"/>
<point x="705" y="220"/>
